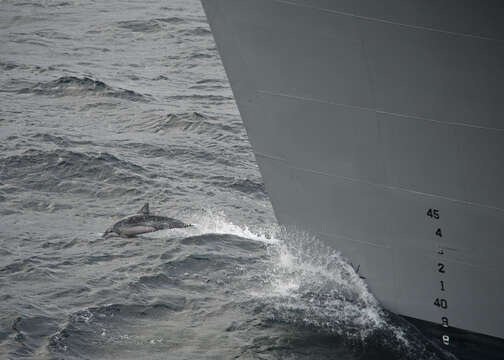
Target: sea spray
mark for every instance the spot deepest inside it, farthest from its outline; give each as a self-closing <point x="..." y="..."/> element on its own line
<point x="304" y="282"/>
<point x="212" y="221"/>
<point x="307" y="285"/>
<point x="310" y="284"/>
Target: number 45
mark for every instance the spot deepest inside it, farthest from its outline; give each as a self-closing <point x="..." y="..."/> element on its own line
<point x="433" y="213"/>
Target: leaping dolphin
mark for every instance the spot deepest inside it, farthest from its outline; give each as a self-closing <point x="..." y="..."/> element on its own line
<point x="141" y="223"/>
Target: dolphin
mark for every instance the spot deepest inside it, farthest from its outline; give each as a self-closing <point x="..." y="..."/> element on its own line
<point x="141" y="223"/>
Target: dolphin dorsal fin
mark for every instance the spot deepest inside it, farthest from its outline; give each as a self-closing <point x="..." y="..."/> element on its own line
<point x="145" y="209"/>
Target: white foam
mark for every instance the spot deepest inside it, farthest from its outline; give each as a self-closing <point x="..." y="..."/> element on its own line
<point x="305" y="281"/>
<point x="309" y="283"/>
<point x="216" y="222"/>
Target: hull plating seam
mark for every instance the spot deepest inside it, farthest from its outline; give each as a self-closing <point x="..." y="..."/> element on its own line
<point x="417" y="27"/>
<point x="382" y="186"/>
<point x="379" y="111"/>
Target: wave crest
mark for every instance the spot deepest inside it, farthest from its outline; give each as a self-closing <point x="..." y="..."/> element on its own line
<point x="63" y="170"/>
<point x="149" y="26"/>
<point x="82" y="86"/>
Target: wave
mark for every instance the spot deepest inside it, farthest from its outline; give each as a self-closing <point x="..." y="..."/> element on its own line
<point x="149" y="26"/>
<point x="8" y="65"/>
<point x="90" y="332"/>
<point x="52" y="35"/>
<point x="59" y="140"/>
<point x="28" y="335"/>
<point x="44" y="4"/>
<point x="194" y="122"/>
<point x="198" y="31"/>
<point x="299" y="284"/>
<point x="215" y="99"/>
<point x="207" y="87"/>
<point x="169" y="304"/>
<point x="210" y="221"/>
<point x="14" y="267"/>
<point x="82" y="86"/>
<point x="310" y="284"/>
<point x="273" y="292"/>
<point x="30" y="39"/>
<point x="303" y="281"/>
<point x="197" y="263"/>
<point x="26" y="265"/>
<point x="70" y="171"/>
<point x="243" y="185"/>
<point x="160" y="77"/>
<point x="201" y="56"/>
<point x="247" y="186"/>
<point x="209" y="81"/>
<point x="158" y="280"/>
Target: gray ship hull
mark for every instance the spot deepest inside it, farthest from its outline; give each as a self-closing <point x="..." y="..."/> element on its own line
<point x="379" y="127"/>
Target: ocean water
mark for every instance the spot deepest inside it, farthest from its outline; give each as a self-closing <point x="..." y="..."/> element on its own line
<point x="105" y="106"/>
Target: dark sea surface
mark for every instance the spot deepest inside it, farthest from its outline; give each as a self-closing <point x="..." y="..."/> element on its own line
<point x="105" y="106"/>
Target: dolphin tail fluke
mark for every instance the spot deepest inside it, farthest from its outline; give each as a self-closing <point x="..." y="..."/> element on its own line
<point x="145" y="209"/>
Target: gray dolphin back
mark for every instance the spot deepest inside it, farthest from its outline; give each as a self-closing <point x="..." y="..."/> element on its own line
<point x="142" y="222"/>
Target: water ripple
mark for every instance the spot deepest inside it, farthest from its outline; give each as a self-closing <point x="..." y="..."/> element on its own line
<point x="82" y="86"/>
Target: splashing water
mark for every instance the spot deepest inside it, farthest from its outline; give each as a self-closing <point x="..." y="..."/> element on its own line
<point x="211" y="221"/>
<point x="304" y="282"/>
<point x="310" y="284"/>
